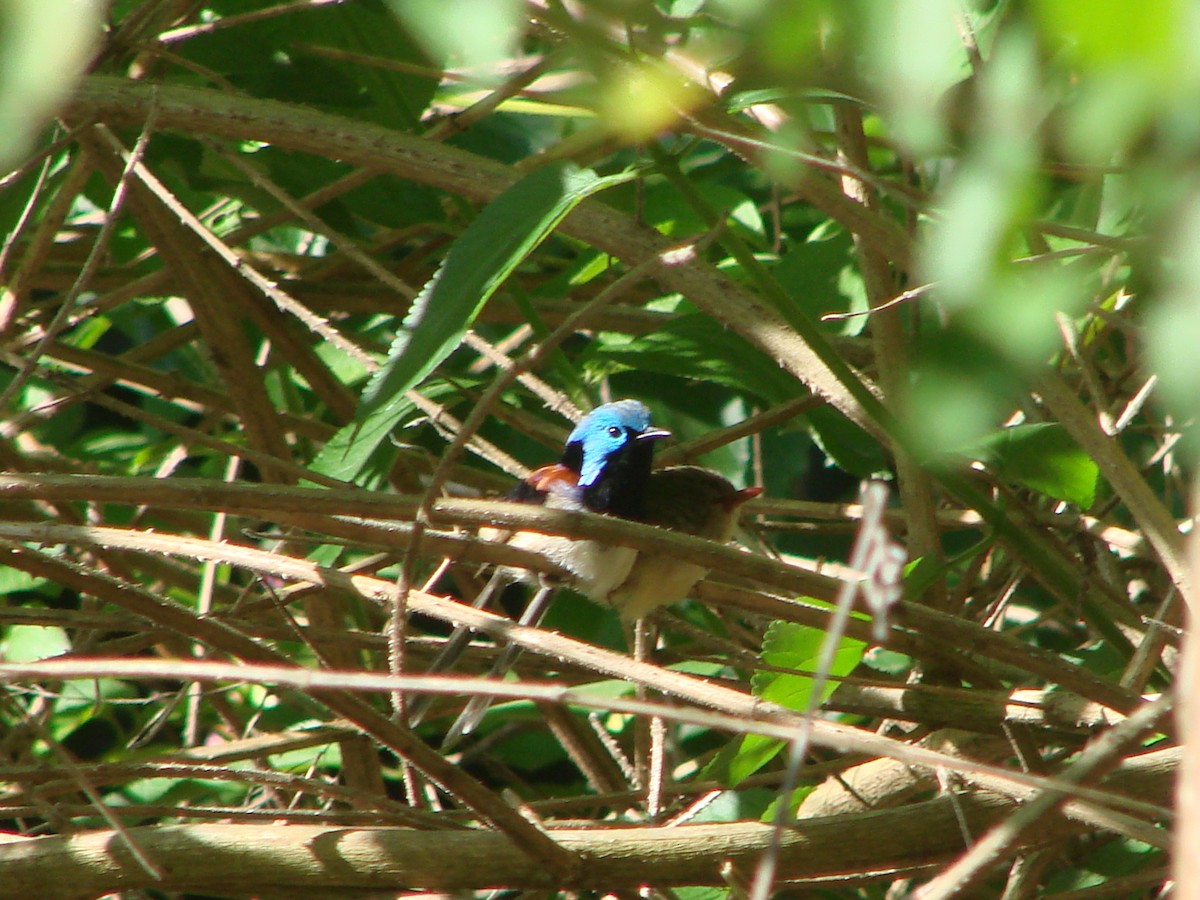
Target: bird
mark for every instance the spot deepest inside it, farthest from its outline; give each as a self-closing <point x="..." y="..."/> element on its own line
<point x="690" y="500"/>
<point x="605" y="468"/>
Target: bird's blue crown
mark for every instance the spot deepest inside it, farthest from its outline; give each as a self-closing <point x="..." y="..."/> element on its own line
<point x="604" y="431"/>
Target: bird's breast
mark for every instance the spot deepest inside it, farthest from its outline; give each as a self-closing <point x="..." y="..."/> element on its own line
<point x="596" y="569"/>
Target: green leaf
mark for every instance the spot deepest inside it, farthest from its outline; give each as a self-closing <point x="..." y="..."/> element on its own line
<point x="14" y="580"/>
<point x="359" y="452"/>
<point x="849" y="447"/>
<point x="794" y="800"/>
<point x="502" y="236"/>
<point x="694" y="346"/>
<point x="288" y="58"/>
<point x="28" y="643"/>
<point x="397" y="99"/>
<point x="795" y="648"/>
<point x="43" y="49"/>
<point x="1042" y="457"/>
<point x="475" y="35"/>
<point x="819" y="277"/>
<point x="736" y="102"/>
<point x="787" y="645"/>
<point x="1107" y="34"/>
<point x="672" y="214"/>
<point x="486" y="253"/>
<point x="753" y="752"/>
<point x="735" y="806"/>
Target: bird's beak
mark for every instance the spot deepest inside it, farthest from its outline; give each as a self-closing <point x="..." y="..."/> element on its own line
<point x="653" y="434"/>
<point x="737" y="498"/>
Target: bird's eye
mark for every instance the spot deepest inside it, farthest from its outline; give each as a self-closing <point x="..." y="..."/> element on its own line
<point x="614" y="431"/>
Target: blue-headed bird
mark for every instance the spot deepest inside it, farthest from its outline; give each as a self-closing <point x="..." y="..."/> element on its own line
<point x="605" y="468"/>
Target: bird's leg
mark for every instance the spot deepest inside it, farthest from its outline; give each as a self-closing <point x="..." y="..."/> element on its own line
<point x="649" y="736"/>
<point x="454" y="646"/>
<point x="471" y="716"/>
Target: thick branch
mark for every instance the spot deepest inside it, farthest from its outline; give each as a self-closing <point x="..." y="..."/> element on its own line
<point x="254" y="858"/>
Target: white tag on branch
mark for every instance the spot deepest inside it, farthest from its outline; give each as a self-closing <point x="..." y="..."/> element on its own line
<point x="880" y="559"/>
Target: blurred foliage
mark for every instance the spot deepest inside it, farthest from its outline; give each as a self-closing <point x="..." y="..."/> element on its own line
<point x="947" y="244"/>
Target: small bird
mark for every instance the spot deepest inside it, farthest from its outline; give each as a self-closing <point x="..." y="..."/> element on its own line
<point x="605" y="468"/>
<point x="688" y="499"/>
<point x="691" y="500"/>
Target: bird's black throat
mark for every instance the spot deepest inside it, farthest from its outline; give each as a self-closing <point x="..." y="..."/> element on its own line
<point x="620" y="489"/>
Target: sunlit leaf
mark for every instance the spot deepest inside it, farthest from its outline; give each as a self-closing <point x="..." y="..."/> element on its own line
<point x="1043" y="457"/>
<point x="44" y="47"/>
<point x="793" y="647"/>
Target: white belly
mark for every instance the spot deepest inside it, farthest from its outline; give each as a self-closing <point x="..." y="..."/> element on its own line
<point x="595" y="569"/>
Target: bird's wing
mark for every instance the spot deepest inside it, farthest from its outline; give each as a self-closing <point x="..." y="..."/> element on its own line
<point x="543" y="481"/>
